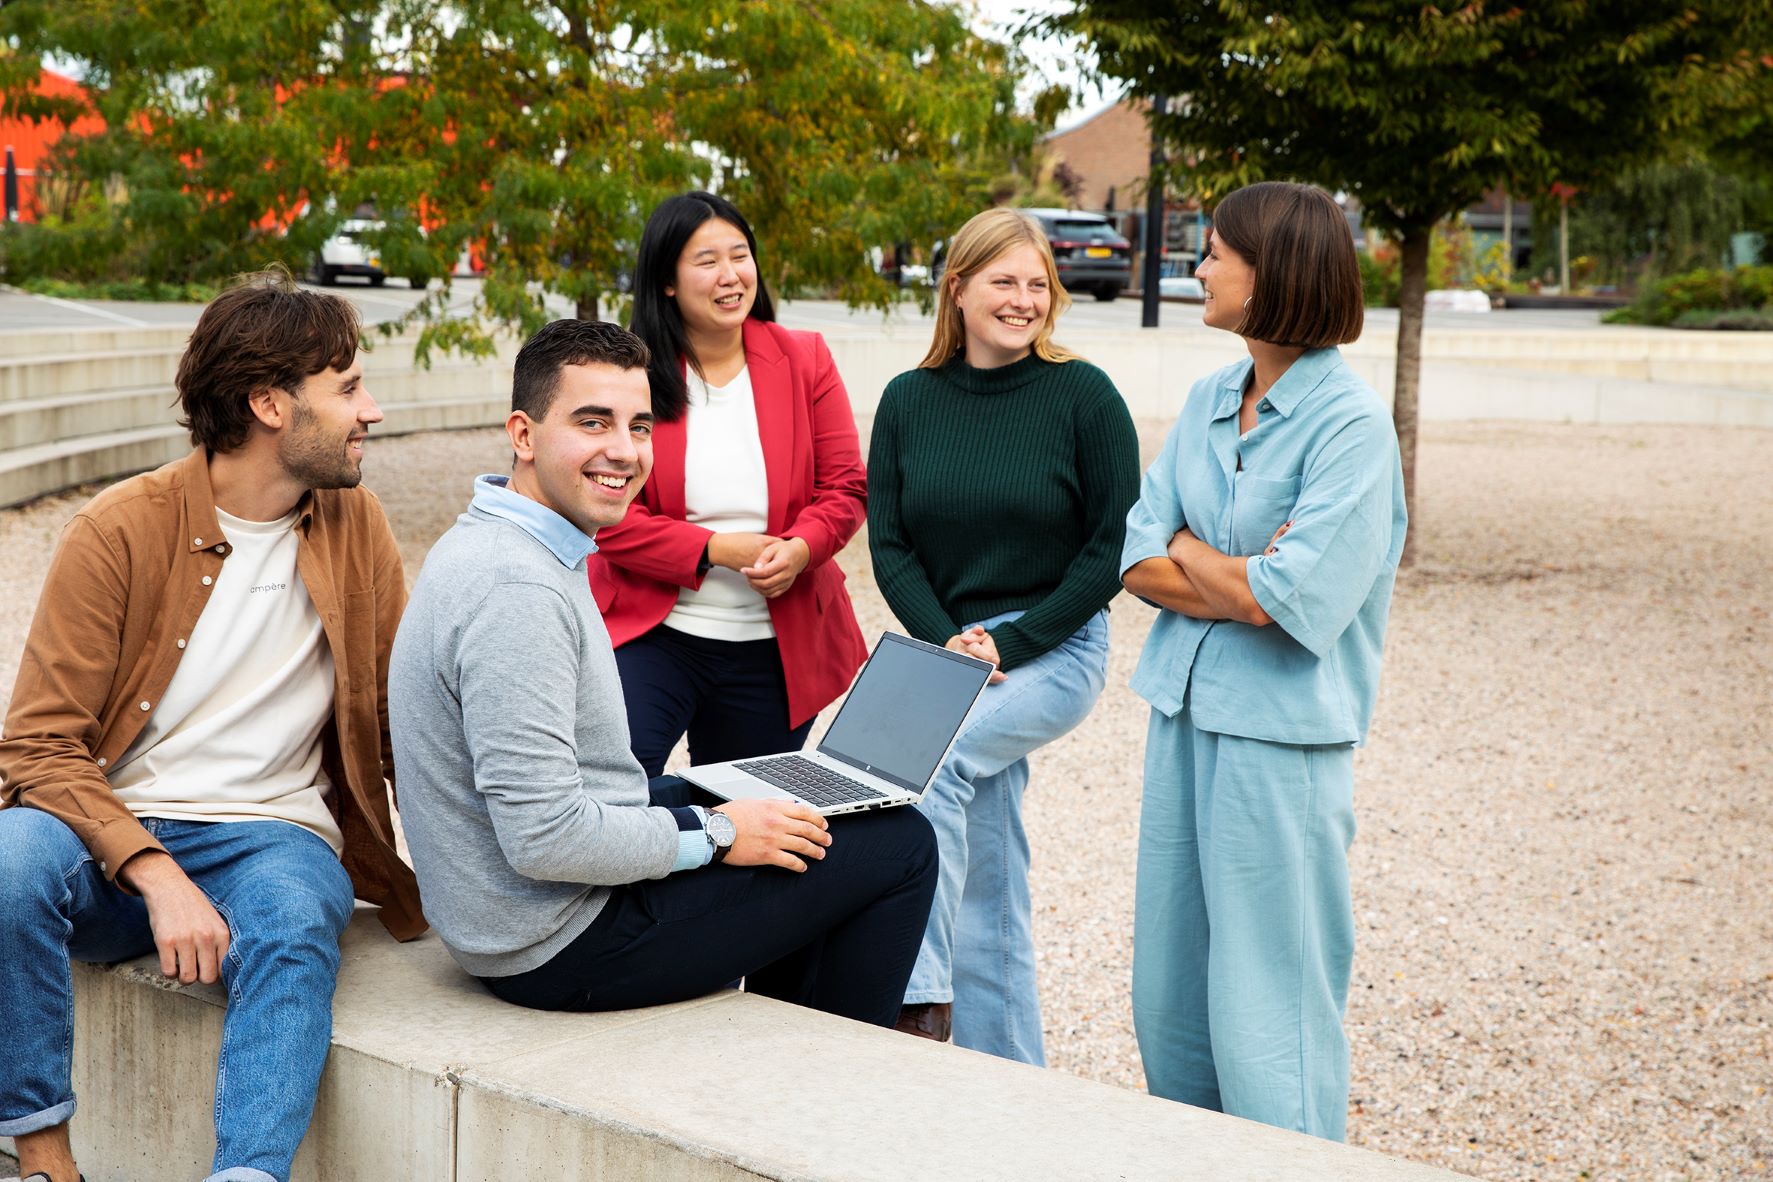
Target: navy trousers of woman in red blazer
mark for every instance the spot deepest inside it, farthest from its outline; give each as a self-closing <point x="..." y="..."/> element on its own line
<point x="818" y="492"/>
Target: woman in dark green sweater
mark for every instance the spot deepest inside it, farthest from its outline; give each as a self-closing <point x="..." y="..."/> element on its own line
<point x="999" y="479"/>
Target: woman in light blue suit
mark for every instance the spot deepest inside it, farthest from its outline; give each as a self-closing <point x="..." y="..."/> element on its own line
<point x="1269" y="532"/>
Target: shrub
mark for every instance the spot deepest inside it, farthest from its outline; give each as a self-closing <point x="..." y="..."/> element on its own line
<point x="1698" y="299"/>
<point x="1735" y="320"/>
<point x="1452" y="262"/>
<point x="1380" y="277"/>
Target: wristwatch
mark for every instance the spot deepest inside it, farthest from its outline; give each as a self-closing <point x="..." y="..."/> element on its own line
<point x="721" y="833"/>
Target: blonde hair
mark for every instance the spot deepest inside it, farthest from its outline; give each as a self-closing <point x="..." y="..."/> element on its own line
<point x="983" y="240"/>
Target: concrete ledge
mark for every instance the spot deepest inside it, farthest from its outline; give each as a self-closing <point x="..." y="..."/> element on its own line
<point x="68" y="419"/>
<point x="434" y="1080"/>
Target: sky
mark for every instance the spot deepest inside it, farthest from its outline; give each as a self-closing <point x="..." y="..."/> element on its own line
<point x="1054" y="61"/>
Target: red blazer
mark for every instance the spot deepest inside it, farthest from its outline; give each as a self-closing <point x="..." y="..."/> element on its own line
<point x="818" y="491"/>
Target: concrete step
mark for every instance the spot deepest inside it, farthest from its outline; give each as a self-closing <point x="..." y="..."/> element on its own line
<point x="54" y="342"/>
<point x="29" y="472"/>
<point x="403" y="418"/>
<point x="33" y="421"/>
<point x="432" y="1079"/>
<point x="24" y="378"/>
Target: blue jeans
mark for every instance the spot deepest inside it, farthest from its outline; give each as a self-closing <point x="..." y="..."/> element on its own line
<point x="286" y="901"/>
<point x="978" y="949"/>
<point x="1243" y="927"/>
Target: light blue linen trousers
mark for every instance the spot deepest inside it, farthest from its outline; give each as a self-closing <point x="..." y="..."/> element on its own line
<point x="1243" y="931"/>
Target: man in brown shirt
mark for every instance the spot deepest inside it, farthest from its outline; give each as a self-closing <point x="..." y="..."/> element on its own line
<point x="224" y="809"/>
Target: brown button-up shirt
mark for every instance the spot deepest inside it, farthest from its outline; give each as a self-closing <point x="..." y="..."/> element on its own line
<point x="132" y="573"/>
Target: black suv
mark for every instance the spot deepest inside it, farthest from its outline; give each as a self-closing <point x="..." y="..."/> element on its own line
<point x="1091" y="255"/>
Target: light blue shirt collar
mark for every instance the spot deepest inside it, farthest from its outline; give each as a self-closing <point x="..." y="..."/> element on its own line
<point x="1301" y="378"/>
<point x="494" y="495"/>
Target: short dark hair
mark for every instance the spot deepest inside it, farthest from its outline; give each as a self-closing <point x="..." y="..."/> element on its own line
<point x="262" y="333"/>
<point x="536" y="374"/>
<point x="656" y="319"/>
<point x="1308" y="282"/>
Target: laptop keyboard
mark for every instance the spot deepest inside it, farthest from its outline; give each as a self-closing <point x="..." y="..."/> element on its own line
<point x="814" y="783"/>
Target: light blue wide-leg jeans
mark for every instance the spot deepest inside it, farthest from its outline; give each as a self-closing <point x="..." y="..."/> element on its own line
<point x="1243" y="930"/>
<point x="286" y="901"/>
<point x="978" y="948"/>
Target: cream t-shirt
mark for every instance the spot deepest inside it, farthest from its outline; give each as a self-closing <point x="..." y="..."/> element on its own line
<point x="237" y="735"/>
<point x="725" y="489"/>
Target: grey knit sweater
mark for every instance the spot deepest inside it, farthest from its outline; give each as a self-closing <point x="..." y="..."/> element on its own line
<point x="520" y="799"/>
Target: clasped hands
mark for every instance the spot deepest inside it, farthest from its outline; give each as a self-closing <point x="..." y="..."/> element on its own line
<point x="976" y="642"/>
<point x="770" y="564"/>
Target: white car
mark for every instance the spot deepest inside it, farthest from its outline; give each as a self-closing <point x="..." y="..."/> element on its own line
<point x="1185" y="287"/>
<point x="346" y="254"/>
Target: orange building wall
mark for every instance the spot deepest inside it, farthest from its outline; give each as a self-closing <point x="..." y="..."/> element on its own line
<point x="31" y="142"/>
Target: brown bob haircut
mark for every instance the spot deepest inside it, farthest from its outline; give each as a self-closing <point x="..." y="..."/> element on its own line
<point x="262" y="333"/>
<point x="1307" y="290"/>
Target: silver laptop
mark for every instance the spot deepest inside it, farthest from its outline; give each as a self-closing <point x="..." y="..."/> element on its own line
<point x="884" y="746"/>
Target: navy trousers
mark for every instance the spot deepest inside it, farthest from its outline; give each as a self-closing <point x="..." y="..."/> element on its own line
<point x="729" y="696"/>
<point x="841" y="937"/>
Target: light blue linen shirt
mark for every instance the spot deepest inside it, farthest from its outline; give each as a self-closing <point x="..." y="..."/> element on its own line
<point x="1323" y="455"/>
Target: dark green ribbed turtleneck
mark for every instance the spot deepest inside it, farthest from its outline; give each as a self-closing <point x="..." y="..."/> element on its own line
<point x="994" y="490"/>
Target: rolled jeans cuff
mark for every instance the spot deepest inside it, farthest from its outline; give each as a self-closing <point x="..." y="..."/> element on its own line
<point x="61" y="1114"/>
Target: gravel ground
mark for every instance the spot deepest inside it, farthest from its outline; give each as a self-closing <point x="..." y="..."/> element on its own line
<point x="1566" y="806"/>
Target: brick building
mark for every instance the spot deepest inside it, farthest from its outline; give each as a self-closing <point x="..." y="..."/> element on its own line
<point x="1110" y="152"/>
<point x="1110" y="155"/>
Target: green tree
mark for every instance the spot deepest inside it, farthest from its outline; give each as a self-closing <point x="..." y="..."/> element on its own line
<point x="1418" y="109"/>
<point x="1663" y="217"/>
<point x="536" y="133"/>
<point x="545" y="132"/>
<point x="212" y="134"/>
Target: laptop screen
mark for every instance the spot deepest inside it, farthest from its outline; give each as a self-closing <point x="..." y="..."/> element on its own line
<point x="904" y="710"/>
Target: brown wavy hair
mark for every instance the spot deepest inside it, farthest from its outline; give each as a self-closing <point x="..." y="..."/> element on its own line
<point x="985" y="238"/>
<point x="262" y="333"/>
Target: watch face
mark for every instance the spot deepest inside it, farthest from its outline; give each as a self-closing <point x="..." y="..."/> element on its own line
<point x="721" y="829"/>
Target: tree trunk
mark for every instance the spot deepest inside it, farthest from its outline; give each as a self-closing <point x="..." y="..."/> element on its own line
<point x="1413" y="247"/>
<point x="1564" y="247"/>
<point x="585" y="307"/>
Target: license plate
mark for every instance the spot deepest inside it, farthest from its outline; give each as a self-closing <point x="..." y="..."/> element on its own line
<point x="1098" y="252"/>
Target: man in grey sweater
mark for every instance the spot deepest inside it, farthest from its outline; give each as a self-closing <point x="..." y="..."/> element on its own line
<point x="552" y="869"/>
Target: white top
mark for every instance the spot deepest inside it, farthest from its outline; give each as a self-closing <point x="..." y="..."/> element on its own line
<point x="725" y="489"/>
<point x="236" y="737"/>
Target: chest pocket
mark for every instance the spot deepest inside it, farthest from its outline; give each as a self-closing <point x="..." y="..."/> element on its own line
<point x="1259" y="506"/>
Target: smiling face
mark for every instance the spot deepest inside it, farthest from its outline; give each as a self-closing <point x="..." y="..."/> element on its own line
<point x="1003" y="306"/>
<point x="330" y="415"/>
<point x="1228" y="280"/>
<point x="716" y="280"/>
<point x="588" y="456"/>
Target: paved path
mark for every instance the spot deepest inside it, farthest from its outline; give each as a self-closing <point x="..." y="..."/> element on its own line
<point x="20" y="310"/>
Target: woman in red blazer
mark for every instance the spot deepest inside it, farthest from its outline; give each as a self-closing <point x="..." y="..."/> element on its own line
<point x="730" y="620"/>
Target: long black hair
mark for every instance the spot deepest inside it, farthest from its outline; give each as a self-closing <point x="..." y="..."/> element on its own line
<point x="657" y="320"/>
